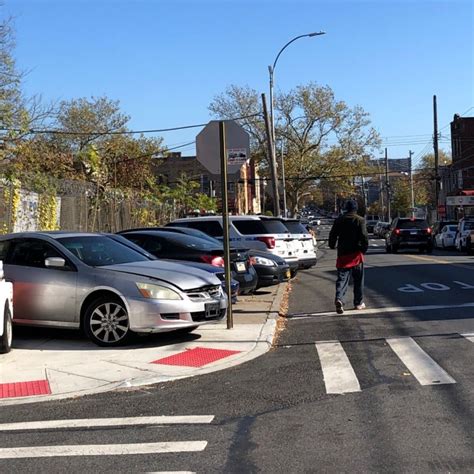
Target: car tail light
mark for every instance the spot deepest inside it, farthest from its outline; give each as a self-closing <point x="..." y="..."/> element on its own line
<point x="252" y="260"/>
<point x="215" y="260"/>
<point x="397" y="231"/>
<point x="268" y="241"/>
<point x="428" y="230"/>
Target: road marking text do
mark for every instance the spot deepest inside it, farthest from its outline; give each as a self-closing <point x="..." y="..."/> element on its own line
<point x="432" y="286"/>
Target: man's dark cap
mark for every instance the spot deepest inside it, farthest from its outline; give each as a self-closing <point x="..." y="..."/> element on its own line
<point x="351" y="205"/>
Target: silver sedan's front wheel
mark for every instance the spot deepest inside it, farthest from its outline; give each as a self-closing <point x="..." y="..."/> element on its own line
<point x="107" y="323"/>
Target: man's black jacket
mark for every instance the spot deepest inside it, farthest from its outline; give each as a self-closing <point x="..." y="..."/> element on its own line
<point x="350" y="233"/>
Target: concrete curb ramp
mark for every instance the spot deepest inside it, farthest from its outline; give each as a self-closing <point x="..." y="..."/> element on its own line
<point x="52" y="369"/>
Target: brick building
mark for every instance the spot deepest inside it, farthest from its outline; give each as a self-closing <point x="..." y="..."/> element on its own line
<point x="458" y="178"/>
<point x="244" y="192"/>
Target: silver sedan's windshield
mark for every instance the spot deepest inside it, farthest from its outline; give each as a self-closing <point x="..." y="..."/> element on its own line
<point x="98" y="251"/>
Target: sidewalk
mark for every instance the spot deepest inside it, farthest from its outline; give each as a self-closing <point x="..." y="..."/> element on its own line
<point x="48" y="368"/>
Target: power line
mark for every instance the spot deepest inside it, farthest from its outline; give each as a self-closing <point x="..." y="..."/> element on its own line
<point x="129" y="132"/>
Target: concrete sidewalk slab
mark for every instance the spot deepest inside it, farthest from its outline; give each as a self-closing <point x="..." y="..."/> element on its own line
<point x="74" y="366"/>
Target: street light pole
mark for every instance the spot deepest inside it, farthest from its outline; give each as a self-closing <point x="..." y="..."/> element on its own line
<point x="271" y="70"/>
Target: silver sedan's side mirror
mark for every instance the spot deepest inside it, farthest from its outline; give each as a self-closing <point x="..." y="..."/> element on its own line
<point x="55" y="262"/>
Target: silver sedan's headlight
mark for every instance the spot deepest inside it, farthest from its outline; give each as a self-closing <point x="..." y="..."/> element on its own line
<point x="157" y="292"/>
<point x="262" y="261"/>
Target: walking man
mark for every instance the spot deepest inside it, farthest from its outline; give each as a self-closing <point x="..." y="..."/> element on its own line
<point x="350" y="233"/>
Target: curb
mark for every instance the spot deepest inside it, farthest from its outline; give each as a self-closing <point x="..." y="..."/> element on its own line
<point x="262" y="344"/>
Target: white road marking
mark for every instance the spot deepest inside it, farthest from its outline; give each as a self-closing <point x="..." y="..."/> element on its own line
<point x="390" y="309"/>
<point x="105" y="422"/>
<point x="469" y="337"/>
<point x="418" y="362"/>
<point x="102" y="449"/>
<point x="339" y="376"/>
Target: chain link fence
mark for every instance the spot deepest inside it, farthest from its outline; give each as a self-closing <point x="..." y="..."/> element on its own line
<point x="79" y="207"/>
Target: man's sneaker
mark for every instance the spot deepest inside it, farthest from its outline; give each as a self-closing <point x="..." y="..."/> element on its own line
<point x="339" y="307"/>
<point x="360" y="306"/>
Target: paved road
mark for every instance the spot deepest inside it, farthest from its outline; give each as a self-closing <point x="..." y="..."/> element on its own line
<point x="389" y="389"/>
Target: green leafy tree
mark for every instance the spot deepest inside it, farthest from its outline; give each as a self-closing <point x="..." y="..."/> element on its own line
<point x="424" y="178"/>
<point x="319" y="136"/>
<point x="325" y="139"/>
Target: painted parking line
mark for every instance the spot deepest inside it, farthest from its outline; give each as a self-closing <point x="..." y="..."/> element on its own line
<point x="418" y="362"/>
<point x="469" y="337"/>
<point x="102" y="449"/>
<point x="105" y="422"/>
<point x="339" y="376"/>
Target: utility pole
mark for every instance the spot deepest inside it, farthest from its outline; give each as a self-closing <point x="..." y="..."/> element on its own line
<point x="436" y="155"/>
<point x="364" y="197"/>
<point x="412" y="193"/>
<point x="387" y="185"/>
<point x="225" y="220"/>
<point x="271" y="156"/>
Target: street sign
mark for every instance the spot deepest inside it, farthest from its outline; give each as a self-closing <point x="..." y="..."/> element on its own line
<point x="236" y="156"/>
<point x="460" y="200"/>
<point x="237" y="146"/>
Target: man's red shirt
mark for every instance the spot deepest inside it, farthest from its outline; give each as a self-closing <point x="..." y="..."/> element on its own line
<point x="350" y="260"/>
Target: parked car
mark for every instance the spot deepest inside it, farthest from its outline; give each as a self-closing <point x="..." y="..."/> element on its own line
<point x="268" y="273"/>
<point x="271" y="269"/>
<point x="304" y="240"/>
<point x="465" y="225"/>
<point x="408" y="233"/>
<point x="371" y="223"/>
<point x="380" y="228"/>
<point x="438" y="226"/>
<point x="470" y="243"/>
<point x="262" y="233"/>
<point x="6" y="313"/>
<point x="94" y="282"/>
<point x="446" y="237"/>
<point x="172" y="245"/>
<point x="218" y="271"/>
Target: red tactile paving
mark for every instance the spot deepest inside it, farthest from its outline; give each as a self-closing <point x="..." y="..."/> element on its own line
<point x="197" y="357"/>
<point x="24" y="389"/>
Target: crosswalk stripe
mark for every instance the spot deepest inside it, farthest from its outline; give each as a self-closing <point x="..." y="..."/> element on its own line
<point x="102" y="449"/>
<point x="339" y="376"/>
<point x="418" y="362"/>
<point x="105" y="422"/>
<point x="469" y="337"/>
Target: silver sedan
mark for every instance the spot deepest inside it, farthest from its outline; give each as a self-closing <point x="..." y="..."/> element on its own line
<point x="94" y="282"/>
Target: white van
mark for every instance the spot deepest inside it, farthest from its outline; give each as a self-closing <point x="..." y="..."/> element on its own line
<point x="6" y="313"/>
<point x="257" y="232"/>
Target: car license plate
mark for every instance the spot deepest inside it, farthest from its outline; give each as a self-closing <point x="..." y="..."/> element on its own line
<point x="241" y="266"/>
<point x="211" y="310"/>
<point x="413" y="232"/>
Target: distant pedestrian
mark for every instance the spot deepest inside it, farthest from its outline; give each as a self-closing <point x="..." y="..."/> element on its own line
<point x="350" y="233"/>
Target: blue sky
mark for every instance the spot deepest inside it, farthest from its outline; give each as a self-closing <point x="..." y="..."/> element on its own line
<point x="165" y="60"/>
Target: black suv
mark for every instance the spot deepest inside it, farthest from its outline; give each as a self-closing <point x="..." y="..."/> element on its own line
<point x="408" y="233"/>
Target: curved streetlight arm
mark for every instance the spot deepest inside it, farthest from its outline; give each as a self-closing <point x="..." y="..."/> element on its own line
<point x="309" y="35"/>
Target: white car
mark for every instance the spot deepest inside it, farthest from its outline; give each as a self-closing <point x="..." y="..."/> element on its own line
<point x="446" y="237"/>
<point x="6" y="313"/>
<point x="305" y="249"/>
<point x="464" y="230"/>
